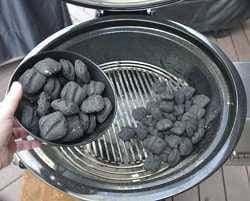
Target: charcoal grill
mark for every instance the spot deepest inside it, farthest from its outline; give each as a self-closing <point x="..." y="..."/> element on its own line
<point x="134" y="52"/>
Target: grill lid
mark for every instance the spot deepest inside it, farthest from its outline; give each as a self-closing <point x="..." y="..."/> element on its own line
<point x="123" y="5"/>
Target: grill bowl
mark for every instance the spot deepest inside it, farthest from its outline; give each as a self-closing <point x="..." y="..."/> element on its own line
<point x="96" y="74"/>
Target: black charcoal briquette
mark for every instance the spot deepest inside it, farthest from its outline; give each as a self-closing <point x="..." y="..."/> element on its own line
<point x="197" y="111"/>
<point x="179" y="97"/>
<point x="127" y="133"/>
<point x="166" y="95"/>
<point x="188" y="92"/>
<point x="103" y="114"/>
<point x="156" y="113"/>
<point x="169" y="116"/>
<point x="32" y="81"/>
<point x="81" y="71"/>
<point x="159" y="87"/>
<point x="53" y="126"/>
<point x="150" y="105"/>
<point x="172" y="140"/>
<point x="188" y="105"/>
<point x="198" y="135"/>
<point x="53" y="87"/>
<point x="185" y="147"/>
<point x="178" y="110"/>
<point x="84" y="118"/>
<point x="139" y="113"/>
<point x="95" y="88"/>
<point x="166" y="106"/>
<point x="73" y="92"/>
<point x="92" y="124"/>
<point x="154" y="144"/>
<point x="174" y="157"/>
<point x="43" y="104"/>
<point x="201" y="100"/>
<point x="178" y="128"/>
<point x="191" y="126"/>
<point x="141" y="131"/>
<point x="64" y="106"/>
<point x="149" y="121"/>
<point x="152" y="163"/>
<point x="68" y="69"/>
<point x="92" y="104"/>
<point x="164" y="155"/>
<point x="47" y="66"/>
<point x="164" y="124"/>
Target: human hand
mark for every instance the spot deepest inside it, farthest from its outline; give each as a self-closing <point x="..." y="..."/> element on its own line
<point x="12" y="136"/>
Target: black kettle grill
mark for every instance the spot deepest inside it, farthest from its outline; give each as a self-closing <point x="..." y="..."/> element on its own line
<point x="135" y="49"/>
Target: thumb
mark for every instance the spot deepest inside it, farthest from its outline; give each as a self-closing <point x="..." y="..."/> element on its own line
<point x="11" y="100"/>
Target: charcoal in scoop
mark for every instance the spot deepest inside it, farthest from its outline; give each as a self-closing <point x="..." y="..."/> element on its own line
<point x="95" y="88"/>
<point x="185" y="147"/>
<point x="197" y="111"/>
<point x="64" y="106"/>
<point x="198" y="135"/>
<point x="188" y="105"/>
<point x="164" y="124"/>
<point x="81" y="71"/>
<point x="139" y="113"/>
<point x="92" y="104"/>
<point x="164" y="155"/>
<point x="84" y="118"/>
<point x="150" y="105"/>
<point x="166" y="95"/>
<point x="152" y="163"/>
<point x="141" y="131"/>
<point x="32" y="81"/>
<point x="53" y="87"/>
<point x="191" y="126"/>
<point x="48" y="67"/>
<point x="53" y="126"/>
<point x="73" y="92"/>
<point x="178" y="128"/>
<point x="201" y="100"/>
<point x="159" y="87"/>
<point x="103" y="114"/>
<point x="149" y="121"/>
<point x="174" y="157"/>
<point x="43" y="104"/>
<point x="169" y="116"/>
<point x="172" y="140"/>
<point x="179" y="97"/>
<point x="201" y="123"/>
<point x="188" y="92"/>
<point x="155" y="132"/>
<point x="75" y="130"/>
<point x="187" y="116"/>
<point x="156" y="113"/>
<point x="154" y="144"/>
<point x="28" y="117"/>
<point x="92" y="124"/>
<point x="68" y="69"/>
<point x="179" y="110"/>
<point x="166" y="106"/>
<point x="127" y="133"/>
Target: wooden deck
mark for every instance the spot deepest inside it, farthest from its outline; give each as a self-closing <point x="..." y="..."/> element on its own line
<point x="229" y="183"/>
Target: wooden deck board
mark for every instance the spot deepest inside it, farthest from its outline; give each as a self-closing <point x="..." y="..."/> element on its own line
<point x="213" y="189"/>
<point x="236" y="183"/>
<point x="190" y="195"/>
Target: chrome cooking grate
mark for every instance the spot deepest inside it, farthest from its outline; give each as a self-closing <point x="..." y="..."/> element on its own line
<point x="109" y="157"/>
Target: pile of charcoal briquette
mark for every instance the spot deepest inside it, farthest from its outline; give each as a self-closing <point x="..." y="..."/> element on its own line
<point x="170" y="126"/>
<point x="61" y="103"/>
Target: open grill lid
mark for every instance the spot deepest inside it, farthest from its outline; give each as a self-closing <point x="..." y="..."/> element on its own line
<point x="123" y="5"/>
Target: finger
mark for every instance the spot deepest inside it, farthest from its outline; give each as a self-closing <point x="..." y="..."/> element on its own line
<point x="19" y="133"/>
<point x="11" y="100"/>
<point x="15" y="123"/>
<point x="27" y="145"/>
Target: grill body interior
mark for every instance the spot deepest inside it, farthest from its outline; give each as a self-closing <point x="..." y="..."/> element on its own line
<point x="135" y="52"/>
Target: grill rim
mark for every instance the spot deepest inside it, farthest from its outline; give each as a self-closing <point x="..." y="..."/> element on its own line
<point x="237" y="85"/>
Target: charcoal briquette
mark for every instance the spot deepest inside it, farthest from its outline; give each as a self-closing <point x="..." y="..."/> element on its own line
<point x="127" y="133"/>
<point x="154" y="144"/>
<point x="187" y="116"/>
<point x="201" y="123"/>
<point x="179" y="110"/>
<point x="95" y="88"/>
<point x="201" y="100"/>
<point x="166" y="95"/>
<point x="197" y="111"/>
<point x="185" y="147"/>
<point x="166" y="106"/>
<point x="75" y="130"/>
<point x="53" y="87"/>
<point x="141" y="131"/>
<point x="150" y="105"/>
<point x="188" y="92"/>
<point x="81" y="71"/>
<point x="191" y="126"/>
<point x="154" y="131"/>
<point x="156" y="113"/>
<point x="169" y="116"/>
<point x="188" y="105"/>
<point x="43" y="104"/>
<point x="68" y="69"/>
<point x="164" y="155"/>
<point x="64" y="106"/>
<point x="159" y="87"/>
<point x="174" y="157"/>
<point x="73" y="92"/>
<point x="172" y="140"/>
<point x="179" y="97"/>
<point x="149" y="121"/>
<point x="178" y="128"/>
<point x="164" y="124"/>
<point x="103" y="114"/>
<point x="48" y="67"/>
<point x="92" y="124"/>
<point x="62" y="80"/>
<point x="92" y="104"/>
<point x="198" y="135"/>
<point x="84" y="118"/>
<point x="53" y="126"/>
<point x="139" y="113"/>
<point x="32" y="81"/>
<point x="152" y="163"/>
